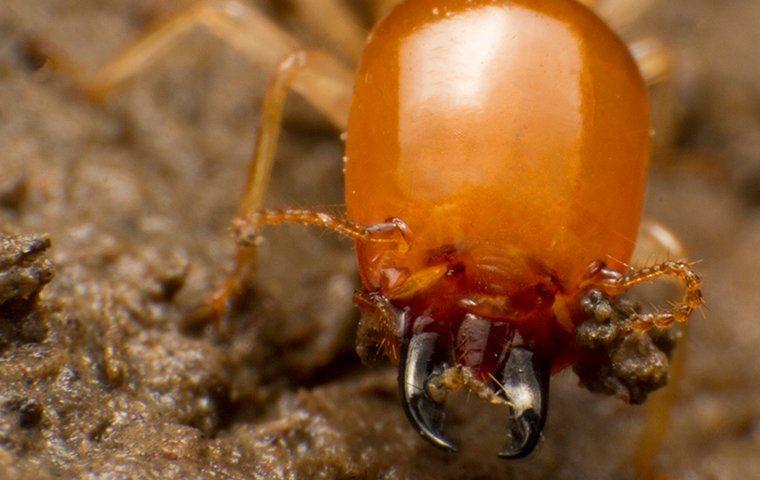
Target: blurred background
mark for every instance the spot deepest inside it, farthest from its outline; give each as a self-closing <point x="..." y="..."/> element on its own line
<point x="111" y="374"/>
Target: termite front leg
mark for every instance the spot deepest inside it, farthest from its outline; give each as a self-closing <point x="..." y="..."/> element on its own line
<point x="305" y="70"/>
<point x="247" y="229"/>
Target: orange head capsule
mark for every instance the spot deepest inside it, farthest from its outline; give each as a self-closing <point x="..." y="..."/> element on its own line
<point x="512" y="140"/>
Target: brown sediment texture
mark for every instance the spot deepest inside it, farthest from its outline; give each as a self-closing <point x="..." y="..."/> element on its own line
<point x="105" y="373"/>
<point x="617" y="362"/>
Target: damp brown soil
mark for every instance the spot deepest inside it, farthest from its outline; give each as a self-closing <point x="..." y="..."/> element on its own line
<point x="115" y="227"/>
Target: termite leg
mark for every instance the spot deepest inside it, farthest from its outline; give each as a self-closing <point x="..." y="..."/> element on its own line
<point x="335" y="22"/>
<point x="381" y="8"/>
<point x="247" y="228"/>
<point x="655" y="63"/>
<point x="300" y="70"/>
<point x="678" y="314"/>
<point x="656" y="243"/>
<point x="653" y="59"/>
<point x="659" y="409"/>
<point x="242" y="26"/>
<point x="621" y="14"/>
<point x="246" y="29"/>
<point x="380" y="329"/>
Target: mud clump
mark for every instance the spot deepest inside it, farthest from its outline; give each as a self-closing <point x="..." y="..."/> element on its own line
<point x="24" y="271"/>
<point x="24" y="268"/>
<point x="629" y="366"/>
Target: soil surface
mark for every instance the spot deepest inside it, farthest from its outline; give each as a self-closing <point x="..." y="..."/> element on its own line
<point x="115" y="228"/>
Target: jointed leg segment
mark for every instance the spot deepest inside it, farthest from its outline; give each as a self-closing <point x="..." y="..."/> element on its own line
<point x="653" y="60"/>
<point x="679" y="313"/>
<point x="320" y="77"/>
<point x="621" y="14"/>
<point x="248" y="229"/>
<point x="243" y="27"/>
<point x="324" y="82"/>
<point x="381" y="327"/>
<point x="380" y="8"/>
<point x="309" y="71"/>
<point x="336" y="22"/>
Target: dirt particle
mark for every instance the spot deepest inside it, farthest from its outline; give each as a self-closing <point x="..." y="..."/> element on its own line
<point x="30" y="414"/>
